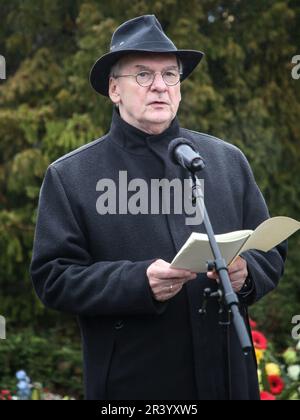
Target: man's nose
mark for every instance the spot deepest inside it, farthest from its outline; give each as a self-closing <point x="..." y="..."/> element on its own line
<point x="158" y="82"/>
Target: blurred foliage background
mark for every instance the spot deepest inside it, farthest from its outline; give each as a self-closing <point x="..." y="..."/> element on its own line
<point x="243" y="92"/>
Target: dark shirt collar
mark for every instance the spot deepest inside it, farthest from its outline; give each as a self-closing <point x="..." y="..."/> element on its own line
<point x="139" y="142"/>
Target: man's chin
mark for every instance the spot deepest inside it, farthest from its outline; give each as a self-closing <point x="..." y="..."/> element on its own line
<point x="160" y="117"/>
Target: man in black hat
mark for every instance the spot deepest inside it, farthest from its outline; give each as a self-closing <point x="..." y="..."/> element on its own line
<point x="143" y="337"/>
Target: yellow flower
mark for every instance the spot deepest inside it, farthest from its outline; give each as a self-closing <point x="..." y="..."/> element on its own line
<point x="273" y="369"/>
<point x="259" y="375"/>
<point x="259" y="355"/>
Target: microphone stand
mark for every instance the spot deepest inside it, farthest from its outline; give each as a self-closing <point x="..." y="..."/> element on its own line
<point x="228" y="300"/>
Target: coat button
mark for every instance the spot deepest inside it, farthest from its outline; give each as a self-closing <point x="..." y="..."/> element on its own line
<point x="119" y="324"/>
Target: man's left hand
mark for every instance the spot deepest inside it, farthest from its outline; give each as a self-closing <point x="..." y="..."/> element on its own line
<point x="238" y="274"/>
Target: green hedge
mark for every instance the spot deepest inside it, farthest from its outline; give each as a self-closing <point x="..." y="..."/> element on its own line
<point x="242" y="92"/>
<point x="50" y="358"/>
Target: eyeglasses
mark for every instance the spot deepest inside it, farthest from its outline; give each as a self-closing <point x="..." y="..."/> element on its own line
<point x="146" y="77"/>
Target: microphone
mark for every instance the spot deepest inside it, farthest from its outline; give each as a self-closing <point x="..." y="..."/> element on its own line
<point x="182" y="152"/>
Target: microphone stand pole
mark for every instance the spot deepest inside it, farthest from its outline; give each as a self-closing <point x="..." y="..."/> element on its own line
<point x="227" y="297"/>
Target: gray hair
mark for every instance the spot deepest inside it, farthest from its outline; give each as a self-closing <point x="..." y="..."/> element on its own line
<point x="116" y="68"/>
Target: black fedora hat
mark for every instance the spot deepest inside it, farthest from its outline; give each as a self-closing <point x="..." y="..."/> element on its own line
<point x="142" y="34"/>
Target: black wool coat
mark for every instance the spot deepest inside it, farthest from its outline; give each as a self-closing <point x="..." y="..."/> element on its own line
<point x="94" y="266"/>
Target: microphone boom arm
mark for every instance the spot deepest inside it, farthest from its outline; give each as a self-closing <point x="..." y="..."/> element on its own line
<point x="219" y="264"/>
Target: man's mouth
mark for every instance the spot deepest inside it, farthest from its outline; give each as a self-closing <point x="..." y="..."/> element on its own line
<point x="158" y="103"/>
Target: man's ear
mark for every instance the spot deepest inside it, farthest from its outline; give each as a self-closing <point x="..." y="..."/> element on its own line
<point x="113" y="90"/>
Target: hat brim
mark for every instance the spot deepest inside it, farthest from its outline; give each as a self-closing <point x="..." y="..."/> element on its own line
<point x="99" y="75"/>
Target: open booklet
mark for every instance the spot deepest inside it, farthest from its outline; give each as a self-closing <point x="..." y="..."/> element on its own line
<point x="197" y="251"/>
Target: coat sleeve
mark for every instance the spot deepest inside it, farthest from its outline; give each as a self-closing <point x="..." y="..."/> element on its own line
<point x="265" y="269"/>
<point x="65" y="277"/>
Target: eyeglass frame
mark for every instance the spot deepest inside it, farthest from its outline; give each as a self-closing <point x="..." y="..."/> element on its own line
<point x="154" y="73"/>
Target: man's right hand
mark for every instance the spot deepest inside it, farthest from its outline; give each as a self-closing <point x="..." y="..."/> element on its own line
<point x="166" y="282"/>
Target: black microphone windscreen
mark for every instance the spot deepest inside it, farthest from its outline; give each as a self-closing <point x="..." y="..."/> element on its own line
<point x="175" y="143"/>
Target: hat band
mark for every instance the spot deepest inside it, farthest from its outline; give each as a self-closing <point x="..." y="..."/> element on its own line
<point x="145" y="43"/>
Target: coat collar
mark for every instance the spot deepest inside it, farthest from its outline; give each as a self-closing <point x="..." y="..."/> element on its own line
<point x="137" y="141"/>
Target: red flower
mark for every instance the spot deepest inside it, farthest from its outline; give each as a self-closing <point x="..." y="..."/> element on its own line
<point x="266" y="396"/>
<point x="253" y="324"/>
<point x="260" y="341"/>
<point x="276" y="384"/>
<point x="5" y="395"/>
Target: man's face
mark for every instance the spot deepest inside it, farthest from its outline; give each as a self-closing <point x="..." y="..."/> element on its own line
<point x="150" y="108"/>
